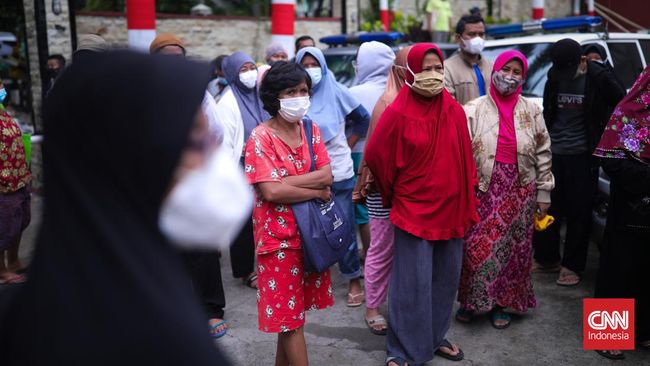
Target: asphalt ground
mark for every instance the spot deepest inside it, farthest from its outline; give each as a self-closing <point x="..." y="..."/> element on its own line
<point x="551" y="334"/>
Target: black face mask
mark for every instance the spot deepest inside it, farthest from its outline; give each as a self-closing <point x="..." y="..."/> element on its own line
<point x="53" y="73"/>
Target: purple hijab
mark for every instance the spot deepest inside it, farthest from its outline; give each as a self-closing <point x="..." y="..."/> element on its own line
<point x="250" y="105"/>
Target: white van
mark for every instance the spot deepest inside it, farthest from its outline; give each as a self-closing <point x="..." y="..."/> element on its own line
<point x="628" y="53"/>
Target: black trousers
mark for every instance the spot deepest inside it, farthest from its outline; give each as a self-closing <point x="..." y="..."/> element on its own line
<point x="576" y="179"/>
<point x="205" y="272"/>
<point x="242" y="252"/>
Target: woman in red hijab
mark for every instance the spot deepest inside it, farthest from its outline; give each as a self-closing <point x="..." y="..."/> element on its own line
<point x="625" y="152"/>
<point x="421" y="157"/>
<point x="512" y="150"/>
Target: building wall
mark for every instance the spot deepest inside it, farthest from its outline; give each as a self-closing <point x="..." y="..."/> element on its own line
<point x="510" y="9"/>
<point x="206" y="37"/>
<point x="58" y="29"/>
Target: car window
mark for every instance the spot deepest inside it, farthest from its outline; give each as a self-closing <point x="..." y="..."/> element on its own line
<point x="539" y="62"/>
<point x="645" y="46"/>
<point x="627" y="61"/>
<point x="341" y="66"/>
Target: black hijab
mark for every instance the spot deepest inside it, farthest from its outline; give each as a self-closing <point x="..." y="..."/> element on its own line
<point x="106" y="288"/>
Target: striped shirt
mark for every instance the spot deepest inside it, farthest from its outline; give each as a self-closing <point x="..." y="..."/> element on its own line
<point x="376" y="209"/>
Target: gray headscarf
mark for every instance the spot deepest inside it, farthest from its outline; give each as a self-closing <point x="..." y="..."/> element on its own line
<point x="250" y="105"/>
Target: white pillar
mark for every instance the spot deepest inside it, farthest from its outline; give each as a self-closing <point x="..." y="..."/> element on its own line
<point x="282" y="24"/>
<point x="141" y="22"/>
<point x="538" y="9"/>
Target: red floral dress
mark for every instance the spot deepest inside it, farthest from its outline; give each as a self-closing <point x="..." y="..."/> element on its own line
<point x="285" y="290"/>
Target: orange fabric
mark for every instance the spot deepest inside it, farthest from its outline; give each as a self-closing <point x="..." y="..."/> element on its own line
<point x="165" y="39"/>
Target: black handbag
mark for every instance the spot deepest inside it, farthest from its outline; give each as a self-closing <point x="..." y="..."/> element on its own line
<point x="326" y="232"/>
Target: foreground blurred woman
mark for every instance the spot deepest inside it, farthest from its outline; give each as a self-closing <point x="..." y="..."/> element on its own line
<point x="278" y="163"/>
<point x="512" y="150"/>
<point x="124" y="185"/>
<point x="625" y="155"/>
<point x="421" y="157"/>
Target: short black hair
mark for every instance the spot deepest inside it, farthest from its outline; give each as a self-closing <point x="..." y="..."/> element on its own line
<point x="303" y="38"/>
<point x="57" y="57"/>
<point x="218" y="62"/>
<point x="468" y="19"/>
<point x="282" y="75"/>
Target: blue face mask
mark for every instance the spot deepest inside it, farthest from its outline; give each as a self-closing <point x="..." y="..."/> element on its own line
<point x="3" y="95"/>
<point x="222" y="81"/>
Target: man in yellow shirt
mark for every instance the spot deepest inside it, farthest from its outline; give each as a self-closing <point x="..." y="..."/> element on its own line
<point x="439" y="19"/>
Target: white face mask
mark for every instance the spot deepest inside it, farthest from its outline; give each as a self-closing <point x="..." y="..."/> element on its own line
<point x="316" y="74"/>
<point x="249" y="78"/>
<point x="474" y="45"/>
<point x="293" y="109"/>
<point x="208" y="207"/>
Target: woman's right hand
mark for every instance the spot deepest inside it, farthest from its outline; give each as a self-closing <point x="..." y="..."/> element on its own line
<point x="325" y="194"/>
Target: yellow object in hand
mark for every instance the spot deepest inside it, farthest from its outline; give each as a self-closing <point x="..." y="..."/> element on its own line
<point x="542" y="223"/>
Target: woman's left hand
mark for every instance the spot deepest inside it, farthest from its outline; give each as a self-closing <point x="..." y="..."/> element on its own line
<point x="542" y="208"/>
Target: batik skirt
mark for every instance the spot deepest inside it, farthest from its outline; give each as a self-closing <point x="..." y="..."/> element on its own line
<point x="497" y="255"/>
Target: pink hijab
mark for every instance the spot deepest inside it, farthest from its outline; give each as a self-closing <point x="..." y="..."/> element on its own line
<point x="507" y="143"/>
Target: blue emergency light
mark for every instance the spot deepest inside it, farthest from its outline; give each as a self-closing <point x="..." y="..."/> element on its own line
<point x="586" y="21"/>
<point x="343" y="39"/>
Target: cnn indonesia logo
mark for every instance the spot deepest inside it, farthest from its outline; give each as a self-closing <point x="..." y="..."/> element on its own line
<point x="608" y="324"/>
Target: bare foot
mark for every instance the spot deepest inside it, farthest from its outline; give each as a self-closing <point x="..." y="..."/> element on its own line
<point x="214" y="328"/>
<point x="355" y="293"/>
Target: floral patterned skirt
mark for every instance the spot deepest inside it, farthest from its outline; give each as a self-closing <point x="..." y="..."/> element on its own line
<point x="498" y="250"/>
<point x="285" y="291"/>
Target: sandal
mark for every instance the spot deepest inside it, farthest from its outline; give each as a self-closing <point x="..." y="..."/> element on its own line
<point x="499" y="314"/>
<point x="355" y="300"/>
<point x="457" y="357"/>
<point x="464" y="316"/>
<point x="213" y="329"/>
<point x="567" y="278"/>
<point x="375" y="321"/>
<point x="610" y="355"/>
<point x="540" y="268"/>
<point x="251" y="281"/>
<point x="397" y="360"/>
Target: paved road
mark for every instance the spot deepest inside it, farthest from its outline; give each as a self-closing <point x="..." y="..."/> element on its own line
<point x="549" y="335"/>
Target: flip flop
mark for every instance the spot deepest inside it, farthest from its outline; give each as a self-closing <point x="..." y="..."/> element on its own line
<point x="445" y="343"/>
<point x="249" y="281"/>
<point x="568" y="278"/>
<point x="500" y="315"/>
<point x="397" y="360"/>
<point x="220" y="334"/>
<point x="375" y="321"/>
<point x="464" y="316"/>
<point x="608" y="354"/>
<point x="352" y="299"/>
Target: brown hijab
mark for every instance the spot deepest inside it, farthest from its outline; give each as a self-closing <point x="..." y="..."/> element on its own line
<point x="365" y="180"/>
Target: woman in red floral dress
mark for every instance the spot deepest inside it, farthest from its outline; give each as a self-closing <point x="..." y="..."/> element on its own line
<point x="15" y="198"/>
<point x="278" y="165"/>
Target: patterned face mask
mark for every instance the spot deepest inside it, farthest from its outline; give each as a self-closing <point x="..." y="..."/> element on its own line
<point x="506" y="85"/>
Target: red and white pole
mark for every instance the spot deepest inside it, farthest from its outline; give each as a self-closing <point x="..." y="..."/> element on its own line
<point x="591" y="9"/>
<point x="538" y="9"/>
<point x="384" y="14"/>
<point x="141" y="22"/>
<point x="576" y="7"/>
<point x="282" y="24"/>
